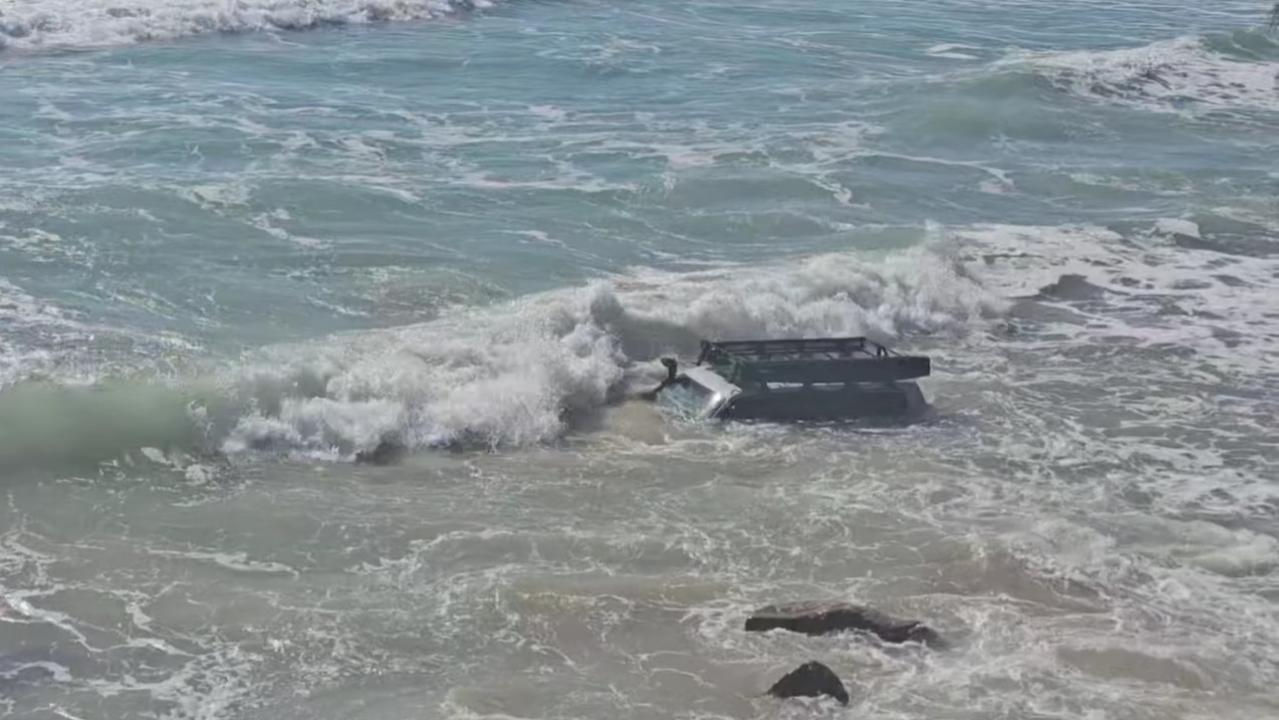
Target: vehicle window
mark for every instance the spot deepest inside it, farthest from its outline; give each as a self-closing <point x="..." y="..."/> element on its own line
<point x="687" y="397"/>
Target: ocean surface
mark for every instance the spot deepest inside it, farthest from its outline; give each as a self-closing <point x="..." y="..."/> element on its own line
<point x="243" y="242"/>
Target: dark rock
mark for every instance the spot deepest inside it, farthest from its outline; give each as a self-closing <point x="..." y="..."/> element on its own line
<point x="812" y="679"/>
<point x="814" y="618"/>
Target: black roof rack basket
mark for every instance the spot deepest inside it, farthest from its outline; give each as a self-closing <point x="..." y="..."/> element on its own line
<point x="821" y="360"/>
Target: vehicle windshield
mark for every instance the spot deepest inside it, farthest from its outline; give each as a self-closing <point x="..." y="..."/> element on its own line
<point x="688" y="398"/>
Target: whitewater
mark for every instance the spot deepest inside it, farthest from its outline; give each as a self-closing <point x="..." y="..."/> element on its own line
<point x="36" y="24"/>
<point x="323" y="322"/>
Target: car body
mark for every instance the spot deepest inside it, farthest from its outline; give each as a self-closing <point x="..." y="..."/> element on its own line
<point x="822" y="379"/>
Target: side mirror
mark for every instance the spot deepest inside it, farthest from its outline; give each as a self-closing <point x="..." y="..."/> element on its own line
<point x="672" y="368"/>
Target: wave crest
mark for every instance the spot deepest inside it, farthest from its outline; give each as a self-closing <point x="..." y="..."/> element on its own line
<point x="1177" y="74"/>
<point x="34" y="24"/>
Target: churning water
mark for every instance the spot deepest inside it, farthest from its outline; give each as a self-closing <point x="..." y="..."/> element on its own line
<point x="243" y="242"/>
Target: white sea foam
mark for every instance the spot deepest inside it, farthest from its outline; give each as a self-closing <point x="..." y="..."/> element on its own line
<point x="1168" y="75"/>
<point x="20" y="315"/>
<point x="39" y="338"/>
<point x="34" y="24"/>
<point x="1146" y="288"/>
<point x="19" y="308"/>
<point x="1183" y="340"/>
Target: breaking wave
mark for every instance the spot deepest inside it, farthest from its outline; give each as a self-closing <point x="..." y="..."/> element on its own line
<point x="35" y="24"/>
<point x="510" y="375"/>
<point x="536" y="369"/>
<point x="1230" y="71"/>
<point x="522" y="374"/>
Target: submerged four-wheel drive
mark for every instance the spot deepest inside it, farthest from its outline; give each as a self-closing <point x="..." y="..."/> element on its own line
<point x="818" y="379"/>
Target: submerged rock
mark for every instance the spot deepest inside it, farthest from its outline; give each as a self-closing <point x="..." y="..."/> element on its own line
<point x="812" y="679"/>
<point x="814" y="618"/>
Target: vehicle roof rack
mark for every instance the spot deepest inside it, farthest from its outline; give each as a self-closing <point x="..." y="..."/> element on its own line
<point x="820" y="360"/>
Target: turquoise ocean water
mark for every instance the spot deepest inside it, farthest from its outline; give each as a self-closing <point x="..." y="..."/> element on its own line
<point x="243" y="242"/>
